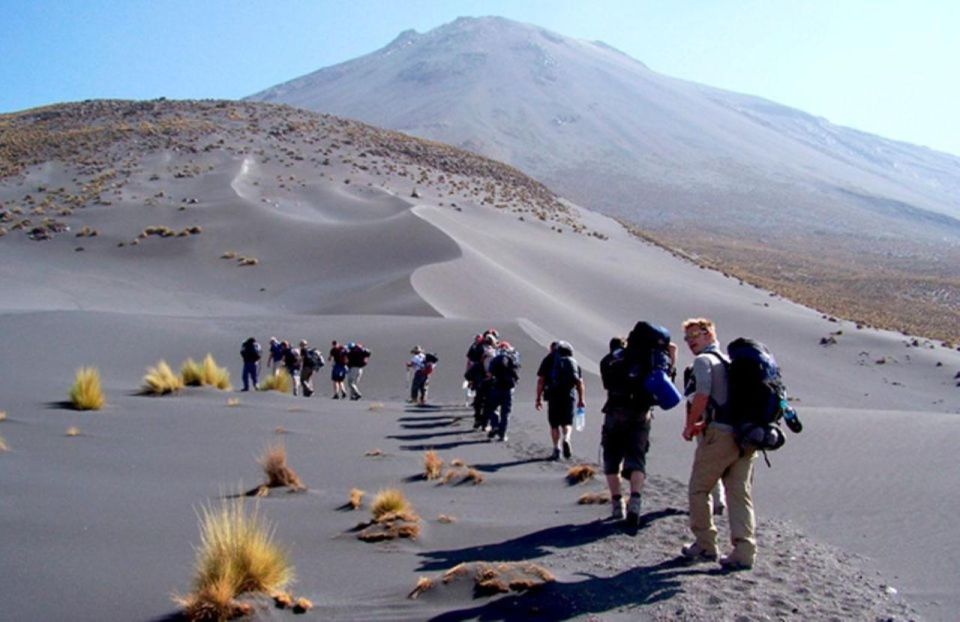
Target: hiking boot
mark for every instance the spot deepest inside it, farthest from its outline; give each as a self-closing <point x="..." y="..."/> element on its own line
<point x="619" y="509"/>
<point x="732" y="562"/>
<point x="556" y="454"/>
<point x="633" y="511"/>
<point x="695" y="552"/>
<point x="491" y="434"/>
<point x="336" y="396"/>
<point x="503" y="438"/>
<point x="566" y="450"/>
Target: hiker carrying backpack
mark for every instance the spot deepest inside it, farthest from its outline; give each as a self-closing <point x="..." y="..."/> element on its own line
<point x="757" y="397"/>
<point x="313" y="359"/>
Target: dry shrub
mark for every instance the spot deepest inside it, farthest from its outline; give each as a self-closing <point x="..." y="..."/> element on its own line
<point x="3" y="445"/>
<point x="283" y="600"/>
<point x="389" y="501"/>
<point x="457" y="462"/>
<point x="474" y="476"/>
<point x="3" y="415"/>
<point x="274" y="463"/>
<point x="452" y="474"/>
<point x="376" y="407"/>
<point x="594" y="498"/>
<point x="356" y="498"/>
<point x="277" y="382"/>
<point x="432" y="465"/>
<point x="374" y="453"/>
<point x="73" y="431"/>
<point x="86" y="392"/>
<point x="505" y="577"/>
<point x="580" y="473"/>
<point x="302" y="605"/>
<point x="160" y="380"/>
<point x="229" y="255"/>
<point x="233" y="401"/>
<point x="249" y="261"/>
<point x="236" y="555"/>
<point x="460" y="570"/>
<point x="446" y="519"/>
<point x="423" y="584"/>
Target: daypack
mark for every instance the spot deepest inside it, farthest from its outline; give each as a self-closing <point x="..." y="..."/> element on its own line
<point x="563" y="374"/>
<point x="756" y="396"/>
<point x="291" y="358"/>
<point x="250" y="351"/>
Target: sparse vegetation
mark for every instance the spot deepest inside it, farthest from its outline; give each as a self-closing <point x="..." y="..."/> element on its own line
<point x="423" y="584"/>
<point x="3" y="445"/>
<point x="237" y="555"/>
<point x="160" y="380"/>
<point x="432" y="465"/>
<point x="3" y="415"/>
<point x="373" y="453"/>
<point x="389" y="501"/>
<point x="580" y="473"/>
<point x="302" y="605"/>
<point x="274" y="463"/>
<point x="594" y="498"/>
<point x="86" y="392"/>
<point x="356" y="498"/>
<point x="73" y="431"/>
<point x="281" y="382"/>
<point x="206" y="373"/>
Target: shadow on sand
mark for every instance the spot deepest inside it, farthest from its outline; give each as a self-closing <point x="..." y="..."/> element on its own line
<point x="643" y="585"/>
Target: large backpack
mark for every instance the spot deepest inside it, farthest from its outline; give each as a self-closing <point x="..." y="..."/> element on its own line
<point x="503" y="369"/>
<point x="756" y="396"/>
<point x="250" y="351"/>
<point x="314" y="359"/>
<point x="563" y="373"/>
<point x="647" y="352"/>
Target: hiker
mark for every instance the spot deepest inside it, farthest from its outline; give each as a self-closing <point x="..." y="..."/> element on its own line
<point x="558" y="377"/>
<point x="292" y="362"/>
<point x="250" y="353"/>
<point x="422" y="365"/>
<point x="625" y="436"/>
<point x="357" y="358"/>
<point x="338" y="357"/>
<point x="503" y="380"/>
<point x="717" y="494"/>
<point x="717" y="457"/>
<point x="276" y="355"/>
<point x="477" y="375"/>
<point x="312" y="361"/>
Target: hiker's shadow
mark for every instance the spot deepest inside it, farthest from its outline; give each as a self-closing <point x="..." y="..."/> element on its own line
<point x="442" y="446"/>
<point x="496" y="466"/>
<point x="439" y="423"/>
<point x="429" y="408"/>
<point x="643" y="585"/>
<point x="424" y="436"/>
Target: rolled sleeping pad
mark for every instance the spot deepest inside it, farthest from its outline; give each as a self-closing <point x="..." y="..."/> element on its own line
<point x="662" y="389"/>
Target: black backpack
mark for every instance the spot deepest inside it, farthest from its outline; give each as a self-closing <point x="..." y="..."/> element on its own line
<point x="563" y="374"/>
<point x="431" y="358"/>
<point x="648" y="349"/>
<point x="757" y="397"/>
<point x="503" y="369"/>
<point x="314" y="359"/>
<point x="250" y="352"/>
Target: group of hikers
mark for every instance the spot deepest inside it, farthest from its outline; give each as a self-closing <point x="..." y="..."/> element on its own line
<point x="734" y="403"/>
<point x="301" y="363"/>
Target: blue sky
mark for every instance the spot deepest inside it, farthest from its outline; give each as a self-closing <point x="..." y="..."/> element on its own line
<point x="889" y="67"/>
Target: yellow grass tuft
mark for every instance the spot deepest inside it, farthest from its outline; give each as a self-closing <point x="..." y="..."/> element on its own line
<point x="277" y="382"/>
<point x="356" y="498"/>
<point x="474" y="476"/>
<point x="236" y="555"/>
<point x="446" y="519"/>
<point x="3" y="415"/>
<point x="451" y="474"/>
<point x="580" y="473"/>
<point x="423" y="584"/>
<point x="460" y="570"/>
<point x="373" y="453"/>
<point x="161" y="380"/>
<point x="214" y="375"/>
<point x="86" y="393"/>
<point x="457" y="462"/>
<point x="389" y="501"/>
<point x="376" y="407"/>
<point x="191" y="372"/>
<point x="274" y="463"/>
<point x="233" y="402"/>
<point x="432" y="465"/>
<point x="594" y="498"/>
<point x="73" y="431"/>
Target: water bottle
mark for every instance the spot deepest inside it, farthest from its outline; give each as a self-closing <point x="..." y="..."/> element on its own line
<point x="580" y="419"/>
<point x="790" y="418"/>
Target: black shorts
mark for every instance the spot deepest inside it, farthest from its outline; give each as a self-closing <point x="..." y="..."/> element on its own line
<point x="560" y="410"/>
<point x="626" y="440"/>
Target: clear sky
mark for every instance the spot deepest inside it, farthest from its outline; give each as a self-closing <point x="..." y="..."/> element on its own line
<point x="889" y="67"/>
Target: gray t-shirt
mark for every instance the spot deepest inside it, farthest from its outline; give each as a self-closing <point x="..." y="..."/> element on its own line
<point x="710" y="378"/>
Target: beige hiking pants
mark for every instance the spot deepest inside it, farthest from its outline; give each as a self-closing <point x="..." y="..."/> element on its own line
<point x="718" y="458"/>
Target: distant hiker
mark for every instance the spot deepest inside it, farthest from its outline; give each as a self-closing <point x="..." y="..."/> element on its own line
<point x="717" y="457"/>
<point x="312" y="361"/>
<point x="357" y="358"/>
<point x="250" y="353"/>
<point x="422" y="365"/>
<point x="276" y="355"/>
<point x="338" y="357"/>
<point x="560" y="381"/>
<point x="479" y="377"/>
<point x="292" y="362"/>
<point x="504" y="375"/>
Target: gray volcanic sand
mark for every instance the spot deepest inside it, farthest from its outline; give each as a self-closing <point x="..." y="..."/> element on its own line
<point x="101" y="526"/>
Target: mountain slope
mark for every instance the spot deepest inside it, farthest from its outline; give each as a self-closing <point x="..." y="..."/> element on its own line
<point x="777" y="196"/>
